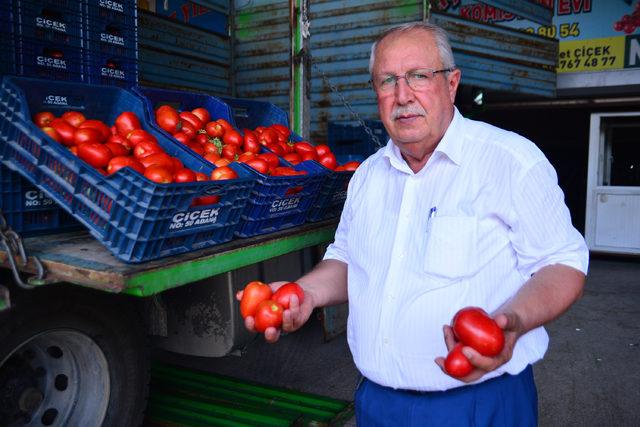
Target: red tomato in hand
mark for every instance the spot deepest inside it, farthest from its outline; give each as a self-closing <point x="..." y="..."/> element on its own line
<point x="456" y="364"/>
<point x="473" y="327"/>
<point x="284" y="292"/>
<point x="126" y="123"/>
<point x="268" y="313"/>
<point x="96" y="154"/>
<point x="43" y="118"/>
<point x="253" y="294"/>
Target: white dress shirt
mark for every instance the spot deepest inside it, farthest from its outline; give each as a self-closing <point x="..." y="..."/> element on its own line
<point x="499" y="216"/>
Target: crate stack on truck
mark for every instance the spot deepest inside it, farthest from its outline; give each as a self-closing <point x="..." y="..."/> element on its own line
<point x="70" y="79"/>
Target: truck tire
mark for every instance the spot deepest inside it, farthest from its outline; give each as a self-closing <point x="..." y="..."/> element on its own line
<point x="72" y="359"/>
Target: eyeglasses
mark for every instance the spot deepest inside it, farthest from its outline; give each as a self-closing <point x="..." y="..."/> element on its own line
<point x="416" y="79"/>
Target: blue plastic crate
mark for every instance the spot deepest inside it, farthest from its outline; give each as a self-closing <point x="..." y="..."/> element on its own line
<point x="123" y="12"/>
<point x="279" y="202"/>
<point x="250" y="114"/>
<point x="49" y="22"/>
<point x="182" y="101"/>
<point x="135" y="218"/>
<point x="49" y="61"/>
<point x="351" y="138"/>
<point x="112" y="39"/>
<point x="28" y="210"/>
<point x="111" y="70"/>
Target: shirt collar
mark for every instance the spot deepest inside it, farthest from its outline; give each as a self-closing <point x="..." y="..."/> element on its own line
<point x="450" y="145"/>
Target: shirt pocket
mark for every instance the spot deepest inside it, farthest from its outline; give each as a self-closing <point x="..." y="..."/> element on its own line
<point x="450" y="246"/>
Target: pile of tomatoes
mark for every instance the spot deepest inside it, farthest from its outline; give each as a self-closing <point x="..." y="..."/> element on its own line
<point x="265" y="306"/>
<point x="220" y="143"/>
<point x="124" y="144"/>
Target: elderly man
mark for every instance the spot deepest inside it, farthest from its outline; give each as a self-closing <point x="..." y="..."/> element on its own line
<point x="451" y="213"/>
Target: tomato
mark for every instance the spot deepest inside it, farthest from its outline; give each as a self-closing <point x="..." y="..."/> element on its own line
<point x="177" y="164"/>
<point x="117" y="149"/>
<point x="281" y="129"/>
<point x="145" y="148"/>
<point x="184" y="175"/>
<point x="268" y="314"/>
<point x="232" y="137"/>
<point x="285" y="171"/>
<point x="202" y="114"/>
<point x="251" y="143"/>
<point x="181" y="137"/>
<point x="328" y="161"/>
<point x="303" y="147"/>
<point x="260" y="165"/>
<point x="231" y="152"/>
<point x="271" y="158"/>
<point x="138" y="135"/>
<point x="322" y="149"/>
<point x="86" y="135"/>
<point x="222" y="173"/>
<point x="268" y="136"/>
<point x="201" y="177"/>
<point x="189" y="130"/>
<point x="476" y="329"/>
<point x="244" y="157"/>
<point x="202" y="139"/>
<point x="96" y="154"/>
<point x="43" y="118"/>
<point x="158" y="159"/>
<point x="119" y="139"/>
<point x="456" y="364"/>
<point x="65" y="130"/>
<point x="74" y="118"/>
<point x="222" y="162"/>
<point x="192" y="119"/>
<point x="311" y="155"/>
<point x="97" y="125"/>
<point x="277" y="149"/>
<point x="293" y="158"/>
<point x="168" y="119"/>
<point x="126" y="123"/>
<point x="196" y="148"/>
<point x="284" y="292"/>
<point x="205" y="200"/>
<point x="254" y="293"/>
<point x="52" y="133"/>
<point x="159" y="174"/>
<point x="212" y="157"/>
<point x="119" y="162"/>
<point x="225" y="125"/>
<point x="351" y="166"/>
<point x="214" y="129"/>
<point x="73" y="149"/>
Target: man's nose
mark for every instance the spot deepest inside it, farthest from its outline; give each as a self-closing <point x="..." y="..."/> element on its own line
<point x="404" y="94"/>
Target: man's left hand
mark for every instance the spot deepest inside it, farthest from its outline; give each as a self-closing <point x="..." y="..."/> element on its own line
<point x="512" y="328"/>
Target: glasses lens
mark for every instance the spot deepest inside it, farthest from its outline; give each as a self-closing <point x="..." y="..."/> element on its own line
<point x="387" y="83"/>
<point x="419" y="79"/>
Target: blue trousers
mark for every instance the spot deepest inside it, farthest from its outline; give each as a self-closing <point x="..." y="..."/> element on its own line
<point x="505" y="401"/>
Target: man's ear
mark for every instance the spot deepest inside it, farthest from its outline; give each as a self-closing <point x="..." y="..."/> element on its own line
<point x="453" y="80"/>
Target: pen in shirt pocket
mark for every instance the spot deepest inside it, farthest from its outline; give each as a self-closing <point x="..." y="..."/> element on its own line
<point x="432" y="213"/>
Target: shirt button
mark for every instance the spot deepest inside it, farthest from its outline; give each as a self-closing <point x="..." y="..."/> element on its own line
<point x="401" y="255"/>
<point x="386" y="340"/>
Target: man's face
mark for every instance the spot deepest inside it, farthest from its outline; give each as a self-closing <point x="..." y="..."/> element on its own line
<point x="415" y="119"/>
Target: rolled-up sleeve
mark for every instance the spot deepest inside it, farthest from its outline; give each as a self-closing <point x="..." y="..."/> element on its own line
<point x="541" y="231"/>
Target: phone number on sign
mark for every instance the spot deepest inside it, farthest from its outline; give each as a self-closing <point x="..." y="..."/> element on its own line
<point x="577" y="63"/>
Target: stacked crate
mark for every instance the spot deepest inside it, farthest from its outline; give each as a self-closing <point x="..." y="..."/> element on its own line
<point x="92" y="41"/>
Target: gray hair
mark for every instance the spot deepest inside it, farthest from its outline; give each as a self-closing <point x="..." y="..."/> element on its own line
<point x="440" y="36"/>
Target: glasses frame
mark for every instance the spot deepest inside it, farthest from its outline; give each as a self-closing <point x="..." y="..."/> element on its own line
<point x="398" y="77"/>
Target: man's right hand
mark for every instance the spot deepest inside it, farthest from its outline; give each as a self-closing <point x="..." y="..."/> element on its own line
<point x="292" y="319"/>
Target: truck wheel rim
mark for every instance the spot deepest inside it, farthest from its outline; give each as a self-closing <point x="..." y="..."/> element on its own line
<point x="58" y="377"/>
